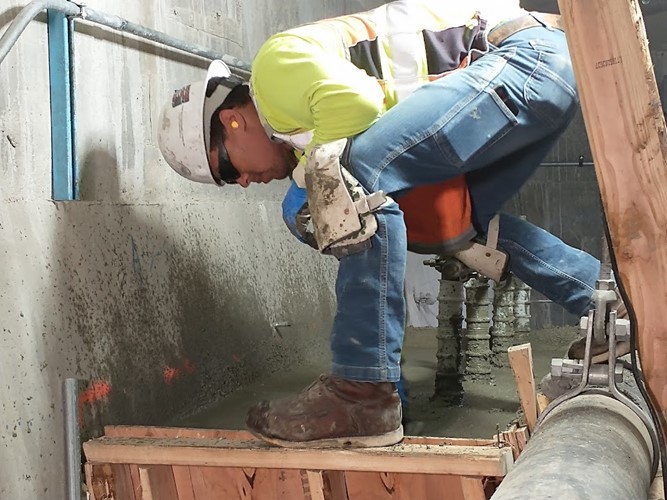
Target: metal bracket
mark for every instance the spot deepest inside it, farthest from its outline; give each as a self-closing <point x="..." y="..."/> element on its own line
<point x="603" y="295"/>
<point x="622" y="328"/>
<point x="278" y="325"/>
<point x="451" y="268"/>
<point x="587" y="381"/>
<point x="82" y="14"/>
<point x="573" y="369"/>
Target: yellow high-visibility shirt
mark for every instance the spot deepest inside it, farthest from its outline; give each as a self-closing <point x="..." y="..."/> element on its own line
<point x="337" y="76"/>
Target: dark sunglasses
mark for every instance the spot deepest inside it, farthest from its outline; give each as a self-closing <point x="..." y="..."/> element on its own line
<point x="227" y="172"/>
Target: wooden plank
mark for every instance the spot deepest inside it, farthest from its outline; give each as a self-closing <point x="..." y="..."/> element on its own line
<point x="441" y="441"/>
<point x="522" y="438"/>
<point x="212" y="483"/>
<point x="315" y="484"/>
<point x="542" y="403"/>
<point x="122" y="482"/>
<point x="510" y="439"/>
<point x="521" y="361"/>
<point x="278" y="484"/>
<point x="473" y="488"/>
<point x="232" y="483"/>
<point x="428" y="459"/>
<point x="146" y="490"/>
<point x="627" y="132"/>
<point x="99" y="481"/>
<point x="136" y="431"/>
<point x="129" y="431"/>
<point x="183" y="482"/>
<point x="158" y="483"/>
<point x="136" y="480"/>
<point x="88" y="478"/>
<point x="396" y="486"/>
<point x="491" y="485"/>
<point x="335" y="485"/>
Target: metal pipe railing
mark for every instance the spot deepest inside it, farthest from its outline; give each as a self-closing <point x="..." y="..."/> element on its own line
<point x="84" y="13"/>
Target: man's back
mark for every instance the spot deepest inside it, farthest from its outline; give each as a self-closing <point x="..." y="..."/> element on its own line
<point x="314" y="69"/>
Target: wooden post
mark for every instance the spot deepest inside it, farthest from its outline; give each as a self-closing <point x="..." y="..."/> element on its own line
<point x="626" y="129"/>
<point x="521" y="361"/>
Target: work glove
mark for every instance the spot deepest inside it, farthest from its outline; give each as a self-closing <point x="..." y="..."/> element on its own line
<point x="297" y="216"/>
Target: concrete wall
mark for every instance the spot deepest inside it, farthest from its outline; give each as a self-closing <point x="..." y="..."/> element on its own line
<point x="158" y="292"/>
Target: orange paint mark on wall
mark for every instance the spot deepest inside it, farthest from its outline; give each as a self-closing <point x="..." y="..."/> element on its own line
<point x="98" y="390"/>
<point x="184" y="367"/>
<point x="169" y="374"/>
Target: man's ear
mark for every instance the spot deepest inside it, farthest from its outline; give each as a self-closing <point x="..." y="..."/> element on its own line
<point x="232" y="120"/>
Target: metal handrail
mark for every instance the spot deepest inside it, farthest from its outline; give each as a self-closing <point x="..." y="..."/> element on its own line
<point x="85" y="13"/>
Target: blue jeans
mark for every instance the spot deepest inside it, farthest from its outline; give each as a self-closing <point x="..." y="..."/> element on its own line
<point x="493" y="121"/>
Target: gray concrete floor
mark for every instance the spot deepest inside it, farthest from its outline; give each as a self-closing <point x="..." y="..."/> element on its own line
<point x="486" y="405"/>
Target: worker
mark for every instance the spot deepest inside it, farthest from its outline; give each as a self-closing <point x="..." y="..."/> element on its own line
<point x="418" y="114"/>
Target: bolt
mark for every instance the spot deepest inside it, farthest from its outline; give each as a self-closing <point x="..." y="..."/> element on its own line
<point x="605" y="284"/>
<point x="276" y="327"/>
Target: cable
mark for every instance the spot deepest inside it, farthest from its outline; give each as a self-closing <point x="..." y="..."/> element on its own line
<point x="636" y="372"/>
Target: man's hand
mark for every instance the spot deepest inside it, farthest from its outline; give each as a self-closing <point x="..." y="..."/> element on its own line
<point x="297" y="216"/>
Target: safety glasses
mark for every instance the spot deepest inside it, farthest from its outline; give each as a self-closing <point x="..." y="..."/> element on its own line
<point x="227" y="173"/>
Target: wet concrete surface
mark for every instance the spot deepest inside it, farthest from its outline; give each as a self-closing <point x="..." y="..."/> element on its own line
<point x="486" y="405"/>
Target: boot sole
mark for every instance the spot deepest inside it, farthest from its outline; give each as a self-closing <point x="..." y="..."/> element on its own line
<point x="387" y="439"/>
<point x="622" y="348"/>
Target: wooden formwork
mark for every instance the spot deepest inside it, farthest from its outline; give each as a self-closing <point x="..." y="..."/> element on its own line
<point x="158" y="463"/>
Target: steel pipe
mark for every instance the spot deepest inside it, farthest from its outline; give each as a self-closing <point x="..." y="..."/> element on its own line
<point x="589" y="447"/>
<point x="84" y="13"/>
<point x="72" y="439"/>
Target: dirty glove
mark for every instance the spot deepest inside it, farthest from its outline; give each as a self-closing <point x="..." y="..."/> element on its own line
<point x="297" y="216"/>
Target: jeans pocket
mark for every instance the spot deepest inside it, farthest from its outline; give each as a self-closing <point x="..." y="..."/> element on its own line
<point x="476" y="126"/>
<point x="550" y="91"/>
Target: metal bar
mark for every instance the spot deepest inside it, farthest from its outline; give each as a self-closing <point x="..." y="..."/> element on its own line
<point x="591" y="447"/>
<point x="62" y="169"/>
<point x="72" y="439"/>
<point x="567" y="164"/>
<point x="120" y="24"/>
<point x="21" y="22"/>
<point x="30" y="11"/>
<point x="72" y="93"/>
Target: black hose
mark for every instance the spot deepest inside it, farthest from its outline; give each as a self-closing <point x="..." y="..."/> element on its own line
<point x="636" y="372"/>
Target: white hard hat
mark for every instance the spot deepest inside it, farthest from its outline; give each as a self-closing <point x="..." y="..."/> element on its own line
<point x="184" y="134"/>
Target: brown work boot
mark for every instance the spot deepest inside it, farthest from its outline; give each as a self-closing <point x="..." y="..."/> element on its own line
<point x="331" y="413"/>
<point x="599" y="352"/>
